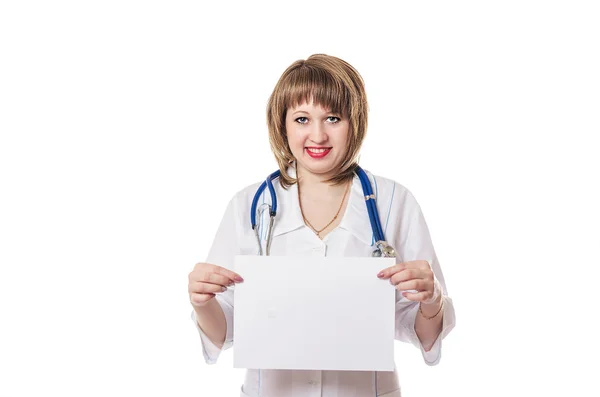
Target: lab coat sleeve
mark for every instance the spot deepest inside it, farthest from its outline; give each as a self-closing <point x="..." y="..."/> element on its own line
<point x="224" y="248"/>
<point x="415" y="243"/>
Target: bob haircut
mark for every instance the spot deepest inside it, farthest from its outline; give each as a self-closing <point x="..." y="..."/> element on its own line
<point x="334" y="85"/>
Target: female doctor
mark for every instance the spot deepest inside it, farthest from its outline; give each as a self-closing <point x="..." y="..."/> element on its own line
<point x="317" y="119"/>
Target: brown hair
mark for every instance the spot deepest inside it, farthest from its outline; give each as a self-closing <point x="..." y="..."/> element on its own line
<point x="332" y="83"/>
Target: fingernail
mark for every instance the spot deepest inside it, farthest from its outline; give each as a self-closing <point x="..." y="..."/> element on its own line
<point x="380" y="274"/>
<point x="238" y="279"/>
<point x="223" y="289"/>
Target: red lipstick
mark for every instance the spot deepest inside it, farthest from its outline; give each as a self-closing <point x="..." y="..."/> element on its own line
<point x="317" y="152"/>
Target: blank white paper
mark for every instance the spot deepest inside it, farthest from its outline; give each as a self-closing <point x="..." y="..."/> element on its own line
<point x="321" y="313"/>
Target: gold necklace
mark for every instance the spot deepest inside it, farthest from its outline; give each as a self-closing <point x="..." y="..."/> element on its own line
<point x="318" y="232"/>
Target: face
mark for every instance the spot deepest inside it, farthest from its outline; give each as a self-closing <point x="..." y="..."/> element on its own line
<point x="317" y="138"/>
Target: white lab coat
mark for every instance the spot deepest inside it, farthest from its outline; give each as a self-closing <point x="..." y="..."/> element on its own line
<point x="405" y="229"/>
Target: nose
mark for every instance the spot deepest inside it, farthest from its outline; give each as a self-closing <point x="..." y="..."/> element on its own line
<point x="318" y="134"/>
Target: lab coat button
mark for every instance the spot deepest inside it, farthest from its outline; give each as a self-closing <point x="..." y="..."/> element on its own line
<point x="313" y="382"/>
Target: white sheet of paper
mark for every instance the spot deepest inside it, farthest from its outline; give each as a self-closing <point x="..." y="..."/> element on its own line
<point x="321" y="313"/>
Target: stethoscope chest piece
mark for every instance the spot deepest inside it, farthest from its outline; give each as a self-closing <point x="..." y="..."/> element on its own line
<point x="383" y="249"/>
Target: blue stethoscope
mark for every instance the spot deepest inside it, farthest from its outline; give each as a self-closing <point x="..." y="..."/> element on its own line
<point x="382" y="247"/>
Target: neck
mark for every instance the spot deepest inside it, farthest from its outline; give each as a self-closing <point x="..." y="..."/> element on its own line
<point x="316" y="185"/>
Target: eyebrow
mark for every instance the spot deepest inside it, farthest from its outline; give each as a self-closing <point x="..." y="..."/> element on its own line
<point x="304" y="112"/>
<point x="299" y="111"/>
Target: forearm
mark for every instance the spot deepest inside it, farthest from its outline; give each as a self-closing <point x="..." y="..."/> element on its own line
<point x="211" y="320"/>
<point x="429" y="330"/>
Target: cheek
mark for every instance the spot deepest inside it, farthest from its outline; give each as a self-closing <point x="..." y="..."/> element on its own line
<point x="342" y="137"/>
<point x="294" y="137"/>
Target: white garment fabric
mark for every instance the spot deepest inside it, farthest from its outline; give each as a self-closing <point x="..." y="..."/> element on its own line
<point x="404" y="228"/>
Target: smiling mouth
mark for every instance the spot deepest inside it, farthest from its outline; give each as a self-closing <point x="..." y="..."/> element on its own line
<point x="317" y="153"/>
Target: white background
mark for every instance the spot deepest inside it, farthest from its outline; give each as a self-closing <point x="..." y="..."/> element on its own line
<point x="126" y="126"/>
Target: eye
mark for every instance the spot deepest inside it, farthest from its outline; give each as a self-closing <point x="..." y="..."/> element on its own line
<point x="302" y="120"/>
<point x="333" y="119"/>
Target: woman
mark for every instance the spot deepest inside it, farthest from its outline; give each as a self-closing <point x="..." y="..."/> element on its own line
<point x="317" y="119"/>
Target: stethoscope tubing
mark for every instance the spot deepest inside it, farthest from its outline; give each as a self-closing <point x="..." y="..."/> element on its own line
<point x="273" y="210"/>
<point x="371" y="204"/>
<point x="367" y="191"/>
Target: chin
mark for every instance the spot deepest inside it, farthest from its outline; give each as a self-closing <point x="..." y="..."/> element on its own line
<point x="318" y="170"/>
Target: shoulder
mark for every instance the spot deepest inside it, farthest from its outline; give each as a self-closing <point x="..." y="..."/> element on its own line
<point x="243" y="198"/>
<point x="247" y="191"/>
<point x="247" y="194"/>
<point x="390" y="191"/>
<point x="237" y="211"/>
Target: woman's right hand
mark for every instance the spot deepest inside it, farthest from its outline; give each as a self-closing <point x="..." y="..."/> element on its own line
<point x="206" y="280"/>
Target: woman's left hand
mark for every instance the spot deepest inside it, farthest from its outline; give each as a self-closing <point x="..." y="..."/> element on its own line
<point x="413" y="275"/>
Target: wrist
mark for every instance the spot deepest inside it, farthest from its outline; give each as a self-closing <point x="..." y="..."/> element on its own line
<point x="433" y="309"/>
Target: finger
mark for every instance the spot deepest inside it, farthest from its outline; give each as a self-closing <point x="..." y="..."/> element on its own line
<point x="227" y="273"/>
<point x="214" y="278"/>
<point x="390" y="271"/>
<point x="405" y="275"/>
<point x="205" y="288"/>
<point x="200" y="299"/>
<point x="202" y="267"/>
<point x="417" y="264"/>
<point x="417" y="285"/>
<point x="417" y="296"/>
